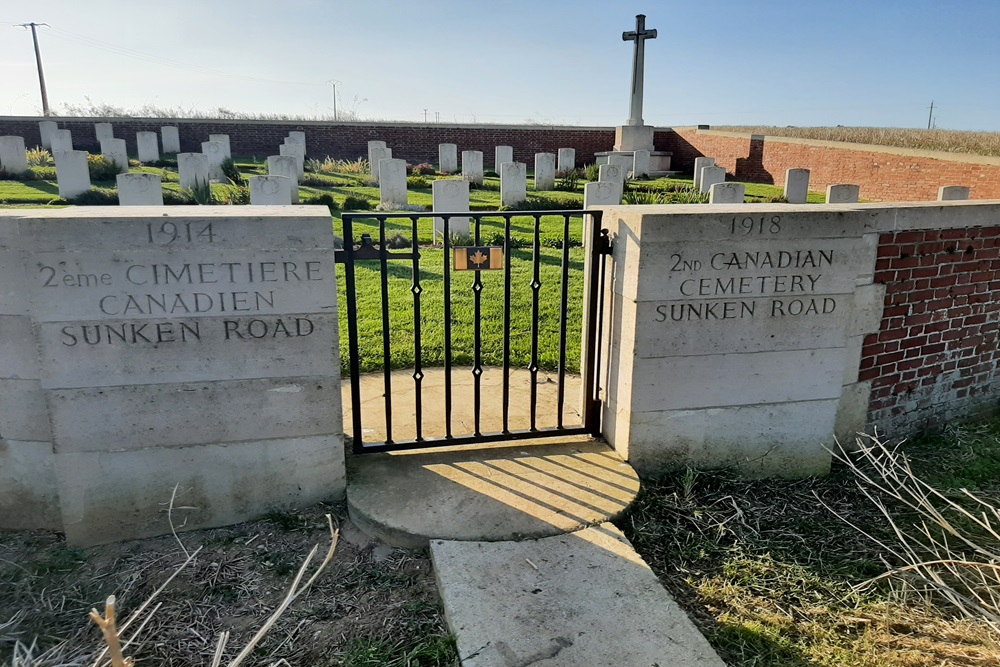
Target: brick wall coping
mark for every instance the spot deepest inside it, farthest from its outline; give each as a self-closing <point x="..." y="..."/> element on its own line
<point x="969" y="158"/>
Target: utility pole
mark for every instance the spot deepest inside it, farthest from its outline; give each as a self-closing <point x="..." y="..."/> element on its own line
<point x="425" y="115"/>
<point x="38" y="61"/>
<point x="334" y="82"/>
<point x="930" y="116"/>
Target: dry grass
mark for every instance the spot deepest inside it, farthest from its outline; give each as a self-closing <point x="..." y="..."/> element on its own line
<point x="952" y="141"/>
<point x="375" y="605"/>
<point x="774" y="578"/>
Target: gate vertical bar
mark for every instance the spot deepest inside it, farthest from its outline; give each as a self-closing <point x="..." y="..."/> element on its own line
<point x="386" y="347"/>
<point x="446" y="220"/>
<point x="477" y="363"/>
<point x="508" y="260"/>
<point x="563" y="322"/>
<point x="595" y="309"/>
<point x="418" y="374"/>
<point x="352" y="331"/>
<point x="536" y="284"/>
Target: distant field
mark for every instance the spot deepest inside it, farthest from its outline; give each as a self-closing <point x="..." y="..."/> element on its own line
<point x="953" y="141"/>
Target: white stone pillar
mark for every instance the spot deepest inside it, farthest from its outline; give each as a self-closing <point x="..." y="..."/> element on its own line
<point x="104" y="131"/>
<point x="270" y="190"/>
<point x="567" y="159"/>
<point x="502" y="155"/>
<point x="601" y="193"/>
<point x="513" y="183"/>
<point x="699" y="164"/>
<point x="640" y="163"/>
<point x="72" y="173"/>
<point x="447" y="158"/>
<point x="148" y="149"/>
<point x="12" y="155"/>
<point x="953" y="193"/>
<point x="375" y="156"/>
<point x="612" y="173"/>
<point x="139" y="190"/>
<point x="116" y="151"/>
<point x="726" y="193"/>
<point x="451" y="196"/>
<point x="45" y="129"/>
<point x="171" y="138"/>
<point x="797" y="186"/>
<point x="287" y="166"/>
<point x="216" y="152"/>
<point x="843" y="193"/>
<point x="545" y="171"/>
<point x="472" y="166"/>
<point x="392" y="181"/>
<point x="224" y="140"/>
<point x="62" y="140"/>
<point x="192" y="169"/>
<point x="710" y="176"/>
<point x="298" y="151"/>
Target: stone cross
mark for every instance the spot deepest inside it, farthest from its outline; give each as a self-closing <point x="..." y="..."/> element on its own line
<point x="639" y="36"/>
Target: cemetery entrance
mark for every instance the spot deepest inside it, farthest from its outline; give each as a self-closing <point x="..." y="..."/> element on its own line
<point x="483" y="328"/>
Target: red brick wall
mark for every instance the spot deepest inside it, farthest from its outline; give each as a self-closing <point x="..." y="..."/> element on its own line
<point x="411" y="142"/>
<point x="936" y="356"/>
<point x="882" y="176"/>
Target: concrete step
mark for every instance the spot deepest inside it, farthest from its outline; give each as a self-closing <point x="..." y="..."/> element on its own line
<point x="585" y="599"/>
<point x="533" y="489"/>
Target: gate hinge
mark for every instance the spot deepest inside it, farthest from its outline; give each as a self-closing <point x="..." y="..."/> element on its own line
<point x="604" y="245"/>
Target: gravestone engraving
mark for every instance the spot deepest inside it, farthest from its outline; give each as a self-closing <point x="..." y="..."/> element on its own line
<point x="472" y="166"/>
<point x="140" y="190"/>
<point x="171" y="138"/>
<point x="12" y="155"/>
<point x="224" y="140"/>
<point x="62" y="140"/>
<point x="451" y="196"/>
<point x="710" y="176"/>
<point x="270" y="190"/>
<point x="567" y="159"/>
<point x="797" y="186"/>
<point x="513" y="183"/>
<point x="501" y="155"/>
<point x="298" y="151"/>
<point x="103" y="131"/>
<point x="726" y="193"/>
<point x="287" y="166"/>
<point x="299" y="137"/>
<point x="843" y="193"/>
<point x="216" y="153"/>
<point x="624" y="163"/>
<point x="602" y="193"/>
<point x="116" y="151"/>
<point x="148" y="147"/>
<point x="193" y="170"/>
<point x="699" y="164"/>
<point x="953" y="193"/>
<point x="612" y="173"/>
<point x="72" y="173"/>
<point x="545" y="171"/>
<point x="447" y="158"/>
<point x="392" y="182"/>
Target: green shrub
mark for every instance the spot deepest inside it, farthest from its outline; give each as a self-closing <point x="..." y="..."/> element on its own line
<point x="636" y="197"/>
<point x="352" y="203"/>
<point x="330" y="166"/>
<point x="201" y="193"/>
<point x="568" y="180"/>
<point x="490" y="174"/>
<point x="315" y="181"/>
<point x="688" y="195"/>
<point x="178" y="197"/>
<point x="102" y="168"/>
<point x="424" y="169"/>
<point x="232" y="172"/>
<point x="97" y="197"/>
<point x="397" y="241"/>
<point x="495" y="238"/>
<point x="165" y="163"/>
<point x="544" y="204"/>
<point x="42" y="173"/>
<point x="556" y="241"/>
<point x="592" y="172"/>
<point x="417" y="182"/>
<point x="324" y="199"/>
<point x="38" y="157"/>
<point x="233" y="195"/>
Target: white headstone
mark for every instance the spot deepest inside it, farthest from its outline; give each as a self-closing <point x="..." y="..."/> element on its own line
<point x="270" y="190"/>
<point x="216" y="152"/>
<point x="513" y="183"/>
<point x="567" y="159"/>
<point x="842" y="193"/>
<point x="193" y="169"/>
<point x="392" y="181"/>
<point x="298" y="151"/>
<point x="611" y="173"/>
<point x="375" y="156"/>
<point x="148" y="148"/>
<point x="545" y="171"/>
<point x="45" y="129"/>
<point x="727" y="193"/>
<point x="287" y="166"/>
<point x="623" y="161"/>
<point x="72" y="173"/>
<point x="104" y="131"/>
<point x="116" y="151"/>
<point x="710" y="176"/>
<point x="472" y="166"/>
<point x="640" y="163"/>
<point x="699" y="164"/>
<point x="298" y="137"/>
<point x="171" y="138"/>
<point x="602" y="193"/>
<point x="12" y="156"/>
<point x="451" y="196"/>
<point x="447" y="158"/>
<point x="797" y="186"/>
<point x="62" y="140"/>
<point x="373" y="159"/>
<point x="953" y="193"/>
<point x="140" y="190"/>
<point x="224" y="140"/>
<point x="502" y="154"/>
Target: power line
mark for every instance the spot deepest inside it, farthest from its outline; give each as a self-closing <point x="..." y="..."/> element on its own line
<point x="38" y="62"/>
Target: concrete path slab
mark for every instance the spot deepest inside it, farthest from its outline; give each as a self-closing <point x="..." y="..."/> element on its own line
<point x="585" y="599"/>
<point x="533" y="489"/>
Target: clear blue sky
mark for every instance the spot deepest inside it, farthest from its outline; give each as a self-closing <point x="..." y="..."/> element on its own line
<point x="774" y="62"/>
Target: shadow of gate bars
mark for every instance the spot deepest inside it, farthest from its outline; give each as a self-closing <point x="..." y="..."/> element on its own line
<point x="362" y="250"/>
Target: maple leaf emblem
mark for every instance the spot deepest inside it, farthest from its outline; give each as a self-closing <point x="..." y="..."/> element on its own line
<point x="478" y="258"/>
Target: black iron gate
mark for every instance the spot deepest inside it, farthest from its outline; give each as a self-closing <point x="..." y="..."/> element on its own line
<point x="496" y="253"/>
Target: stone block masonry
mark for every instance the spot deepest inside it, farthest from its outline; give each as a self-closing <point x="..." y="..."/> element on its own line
<point x="187" y="346"/>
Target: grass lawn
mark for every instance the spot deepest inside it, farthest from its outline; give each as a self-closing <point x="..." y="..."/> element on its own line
<point x="770" y="575"/>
